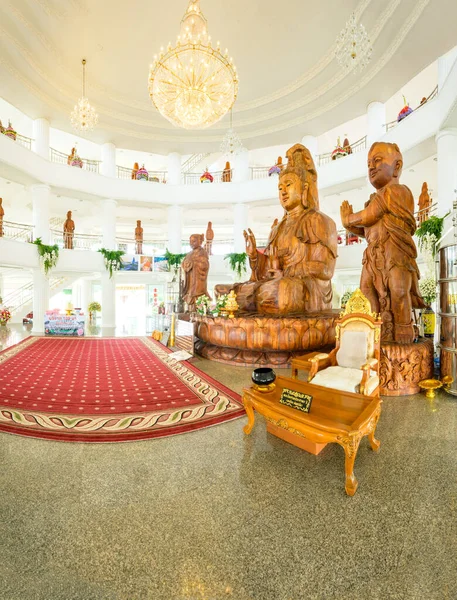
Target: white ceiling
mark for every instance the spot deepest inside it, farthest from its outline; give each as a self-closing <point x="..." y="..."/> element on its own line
<point x="290" y="83"/>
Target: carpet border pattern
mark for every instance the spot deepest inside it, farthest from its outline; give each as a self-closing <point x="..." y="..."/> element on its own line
<point x="218" y="404"/>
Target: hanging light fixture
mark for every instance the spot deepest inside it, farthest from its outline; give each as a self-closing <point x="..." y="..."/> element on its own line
<point x="193" y="85"/>
<point x="353" y="48"/>
<point x="231" y="143"/>
<point x="83" y="117"/>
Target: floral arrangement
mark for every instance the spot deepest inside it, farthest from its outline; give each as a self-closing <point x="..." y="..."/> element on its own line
<point x="206" y="177"/>
<point x="274" y="170"/>
<point x="427" y="287"/>
<point x="113" y="260"/>
<point x="405" y="111"/>
<point x="218" y="306"/>
<point x="142" y="174"/>
<point x="237" y="261"/>
<point x="202" y="305"/>
<point x="339" y="151"/>
<point x="76" y="161"/>
<point x="5" y="316"/>
<point x="49" y="255"/>
<point x="345" y="297"/>
<point x="10" y="131"/>
<point x="94" y="307"/>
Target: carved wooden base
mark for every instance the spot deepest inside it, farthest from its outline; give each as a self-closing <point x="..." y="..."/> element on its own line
<point x="256" y="340"/>
<point x="404" y="365"/>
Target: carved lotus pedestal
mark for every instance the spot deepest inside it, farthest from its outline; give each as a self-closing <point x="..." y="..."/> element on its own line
<point x="404" y="365"/>
<point x="256" y="340"/>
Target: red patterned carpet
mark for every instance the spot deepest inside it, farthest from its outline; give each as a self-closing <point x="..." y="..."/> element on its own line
<point x="106" y="390"/>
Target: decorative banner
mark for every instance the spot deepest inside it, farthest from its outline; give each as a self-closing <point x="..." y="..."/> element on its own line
<point x="145" y="263"/>
<point x="295" y="399"/>
<point x="55" y="324"/>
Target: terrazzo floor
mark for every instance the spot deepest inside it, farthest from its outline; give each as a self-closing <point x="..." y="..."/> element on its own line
<point x="215" y="514"/>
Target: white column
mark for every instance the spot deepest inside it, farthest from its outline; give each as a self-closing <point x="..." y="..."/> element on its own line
<point x="240" y="167"/>
<point x="40" y="299"/>
<point x="85" y="295"/>
<point x="109" y="224"/>
<point x="40" y="202"/>
<point x="108" y="303"/>
<point x="310" y="142"/>
<point x="445" y="64"/>
<point x="446" y="146"/>
<point x="108" y="166"/>
<point x="174" y="168"/>
<point x="2" y="289"/>
<point x="41" y="137"/>
<point x="376" y="120"/>
<point x="240" y="223"/>
<point x="174" y="228"/>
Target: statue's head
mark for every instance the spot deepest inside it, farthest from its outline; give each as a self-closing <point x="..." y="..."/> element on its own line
<point x="227" y="165"/>
<point x="210" y="224"/>
<point x="384" y="164"/>
<point x="138" y="223"/>
<point x="424" y="187"/>
<point x="196" y="240"/>
<point x="298" y="181"/>
<point x="69" y="214"/>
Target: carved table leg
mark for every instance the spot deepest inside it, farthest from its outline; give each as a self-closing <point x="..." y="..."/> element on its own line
<point x="374" y="443"/>
<point x="251" y="418"/>
<point x="350" y="445"/>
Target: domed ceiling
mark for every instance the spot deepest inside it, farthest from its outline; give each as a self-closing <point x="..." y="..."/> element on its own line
<point x="290" y="82"/>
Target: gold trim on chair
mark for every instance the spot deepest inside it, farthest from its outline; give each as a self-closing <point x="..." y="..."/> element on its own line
<point x="358" y="303"/>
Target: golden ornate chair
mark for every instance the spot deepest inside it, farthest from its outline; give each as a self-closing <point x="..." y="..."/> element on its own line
<point x="353" y="365"/>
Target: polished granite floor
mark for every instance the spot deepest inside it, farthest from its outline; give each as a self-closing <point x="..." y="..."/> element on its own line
<point x="215" y="514"/>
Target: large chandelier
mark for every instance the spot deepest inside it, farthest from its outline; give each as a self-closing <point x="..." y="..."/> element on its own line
<point x="353" y="48"/>
<point x="83" y="117"/>
<point x="193" y="85"/>
<point x="231" y="143"/>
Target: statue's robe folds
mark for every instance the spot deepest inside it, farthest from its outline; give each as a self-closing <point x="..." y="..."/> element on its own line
<point x="195" y="267"/>
<point x="304" y="249"/>
<point x="387" y="222"/>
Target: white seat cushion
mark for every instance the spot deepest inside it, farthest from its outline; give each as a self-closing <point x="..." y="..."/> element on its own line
<point x="353" y="349"/>
<point x="341" y="378"/>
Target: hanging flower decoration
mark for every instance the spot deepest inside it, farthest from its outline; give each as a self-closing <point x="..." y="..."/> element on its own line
<point x="113" y="260"/>
<point x="49" y="255"/>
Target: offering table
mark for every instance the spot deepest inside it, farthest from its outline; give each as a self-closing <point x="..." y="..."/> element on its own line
<point x="340" y="417"/>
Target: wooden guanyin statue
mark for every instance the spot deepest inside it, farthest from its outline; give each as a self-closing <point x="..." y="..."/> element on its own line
<point x="136" y="168"/>
<point x="390" y="275"/>
<point x="195" y="267"/>
<point x="138" y="238"/>
<point x="293" y="274"/>
<point x="425" y="204"/>
<point x="209" y="238"/>
<point x="68" y="232"/>
<point x="227" y="173"/>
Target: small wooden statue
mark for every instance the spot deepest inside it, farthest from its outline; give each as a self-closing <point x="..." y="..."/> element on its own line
<point x="68" y="232"/>
<point x="425" y="203"/>
<point x="72" y="156"/>
<point x="195" y="267"/>
<point x="138" y="238"/>
<point x="135" y="170"/>
<point x="209" y="238"/>
<point x="227" y="173"/>
<point x="390" y="276"/>
<point x="2" y="213"/>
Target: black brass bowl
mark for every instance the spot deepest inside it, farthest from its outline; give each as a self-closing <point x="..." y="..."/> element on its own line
<point x="263" y="377"/>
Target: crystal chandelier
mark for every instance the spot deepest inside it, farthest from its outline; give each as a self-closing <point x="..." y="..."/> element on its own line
<point x="193" y="85"/>
<point x="83" y="117"/>
<point x="353" y="48"/>
<point x="231" y="144"/>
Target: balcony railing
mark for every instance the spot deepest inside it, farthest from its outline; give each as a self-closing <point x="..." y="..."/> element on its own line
<point x="259" y="172"/>
<point x="150" y="247"/>
<point x="395" y="122"/>
<point x="218" y="177"/>
<point x="81" y="241"/>
<point x="357" y="146"/>
<point x="62" y="159"/>
<point x="154" y="176"/>
<point x="24" y="141"/>
<point x="21" y="232"/>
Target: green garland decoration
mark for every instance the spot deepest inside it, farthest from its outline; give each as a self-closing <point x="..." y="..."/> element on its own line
<point x="432" y="226"/>
<point x="174" y="260"/>
<point x="113" y="260"/>
<point x="237" y="261"/>
<point x="49" y="255"/>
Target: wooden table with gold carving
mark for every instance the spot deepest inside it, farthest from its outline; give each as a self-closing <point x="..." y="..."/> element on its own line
<point x="340" y="417"/>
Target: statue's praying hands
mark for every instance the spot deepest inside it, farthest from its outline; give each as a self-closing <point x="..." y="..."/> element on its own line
<point x="345" y="211"/>
<point x="251" y="245"/>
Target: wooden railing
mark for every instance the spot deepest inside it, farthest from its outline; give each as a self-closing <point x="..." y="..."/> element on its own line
<point x="62" y="159"/>
<point x="395" y="122"/>
<point x="154" y="176"/>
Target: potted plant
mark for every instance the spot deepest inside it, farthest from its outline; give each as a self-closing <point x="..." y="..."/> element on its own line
<point x="174" y="261"/>
<point x="49" y="255"/>
<point x="94" y="307"/>
<point x="202" y="304"/>
<point x="237" y="262"/>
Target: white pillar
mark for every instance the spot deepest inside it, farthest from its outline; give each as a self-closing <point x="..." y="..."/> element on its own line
<point x="446" y="146"/>
<point x="240" y="167"/>
<point x="41" y="137"/>
<point x="240" y="223"/>
<point x="85" y="295"/>
<point x="108" y="166"/>
<point x="108" y="303"/>
<point x="40" y="203"/>
<point x="445" y="64"/>
<point x="174" y="168"/>
<point x="174" y="229"/>
<point x="310" y="142"/>
<point x="40" y="300"/>
<point x="376" y="121"/>
<point x="109" y="224"/>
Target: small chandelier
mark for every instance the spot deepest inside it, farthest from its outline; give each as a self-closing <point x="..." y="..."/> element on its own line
<point x="83" y="117"/>
<point x="193" y="85"/>
<point x="353" y="48"/>
<point x="231" y="143"/>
